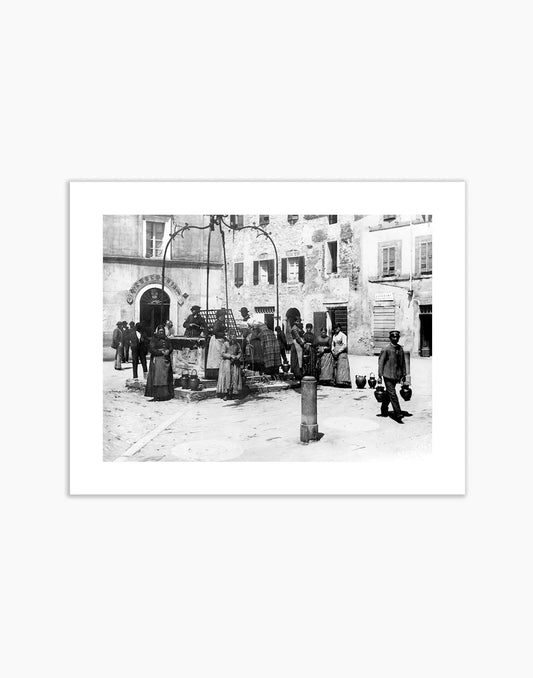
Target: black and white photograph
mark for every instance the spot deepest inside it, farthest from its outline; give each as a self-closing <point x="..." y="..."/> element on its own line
<point x="265" y="306"/>
<point x="267" y="337"/>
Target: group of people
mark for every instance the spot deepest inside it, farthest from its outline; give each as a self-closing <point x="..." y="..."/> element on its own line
<point x="134" y="337"/>
<point x="324" y="357"/>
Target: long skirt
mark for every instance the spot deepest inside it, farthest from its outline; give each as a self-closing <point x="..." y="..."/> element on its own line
<point x="342" y="371"/>
<point x="270" y="349"/>
<point x="214" y="357"/>
<point x="229" y="379"/>
<point x="160" y="380"/>
<point x="296" y="360"/>
<point x="325" y="368"/>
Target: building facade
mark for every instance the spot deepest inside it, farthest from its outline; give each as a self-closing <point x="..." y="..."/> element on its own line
<point x="133" y="248"/>
<point x="369" y="273"/>
<point x="396" y="276"/>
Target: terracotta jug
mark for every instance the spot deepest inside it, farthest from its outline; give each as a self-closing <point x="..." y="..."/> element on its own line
<point x="406" y="392"/>
<point x="372" y="380"/>
<point x="360" y="380"/>
<point x="194" y="382"/>
<point x="379" y="393"/>
<point x="185" y="379"/>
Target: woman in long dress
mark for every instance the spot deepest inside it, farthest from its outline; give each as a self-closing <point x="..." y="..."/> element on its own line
<point x="254" y="348"/>
<point x="216" y="342"/>
<point x="229" y="383"/>
<point x="340" y="356"/>
<point x="324" y="358"/>
<point x="297" y="348"/>
<point x="160" y="381"/>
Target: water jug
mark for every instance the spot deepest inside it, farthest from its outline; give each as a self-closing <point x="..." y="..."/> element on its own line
<point x="406" y="391"/>
<point x="360" y="380"/>
<point x="185" y="379"/>
<point x="379" y="393"/>
<point x="194" y="382"/>
<point x="372" y="380"/>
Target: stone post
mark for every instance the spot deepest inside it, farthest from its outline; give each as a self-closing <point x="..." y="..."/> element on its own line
<point x="309" y="425"/>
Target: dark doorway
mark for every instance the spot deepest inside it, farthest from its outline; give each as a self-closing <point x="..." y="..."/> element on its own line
<point x="154" y="309"/>
<point x="339" y="316"/>
<point x="269" y="320"/>
<point x="426" y="331"/>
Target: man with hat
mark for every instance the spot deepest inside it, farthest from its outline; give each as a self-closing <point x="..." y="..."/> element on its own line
<point x="392" y="368"/>
<point x="195" y="325"/>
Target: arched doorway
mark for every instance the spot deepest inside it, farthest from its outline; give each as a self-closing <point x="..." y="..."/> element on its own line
<point x="154" y="309"/>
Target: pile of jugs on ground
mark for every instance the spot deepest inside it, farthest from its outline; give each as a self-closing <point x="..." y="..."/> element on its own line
<point x="189" y="381"/>
<point x="379" y="393"/>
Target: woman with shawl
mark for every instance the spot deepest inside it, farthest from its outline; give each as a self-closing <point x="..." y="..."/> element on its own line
<point x="160" y="381"/>
<point x="216" y="342"/>
<point x="254" y="350"/>
<point x="324" y="358"/>
<point x="262" y="334"/>
<point x="229" y="383"/>
<point x="340" y="357"/>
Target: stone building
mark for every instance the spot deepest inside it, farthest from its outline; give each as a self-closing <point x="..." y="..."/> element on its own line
<point x="132" y="256"/>
<point x="370" y="273"/>
<point x="396" y="280"/>
<point x="319" y="270"/>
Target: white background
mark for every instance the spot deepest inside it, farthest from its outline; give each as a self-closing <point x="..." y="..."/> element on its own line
<point x="440" y="471"/>
<point x="195" y="587"/>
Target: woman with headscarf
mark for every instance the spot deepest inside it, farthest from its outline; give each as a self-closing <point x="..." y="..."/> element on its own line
<point x="261" y="334"/>
<point x="216" y="342"/>
<point x="340" y="356"/>
<point x="229" y="383"/>
<point x="160" y="381"/>
<point x="254" y="351"/>
<point x="324" y="358"/>
<point x="297" y="348"/>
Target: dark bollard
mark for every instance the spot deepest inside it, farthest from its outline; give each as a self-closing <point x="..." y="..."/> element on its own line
<point x="309" y="425"/>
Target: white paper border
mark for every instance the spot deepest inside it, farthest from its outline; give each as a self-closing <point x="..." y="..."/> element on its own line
<point x="441" y="472"/>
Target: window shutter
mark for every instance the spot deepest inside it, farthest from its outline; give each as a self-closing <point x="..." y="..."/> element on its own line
<point x="429" y="267"/>
<point x="301" y="269"/>
<point x="256" y="272"/>
<point x="239" y="274"/>
<point x="284" y="270"/>
<point x="418" y="260"/>
<point x="270" y="268"/>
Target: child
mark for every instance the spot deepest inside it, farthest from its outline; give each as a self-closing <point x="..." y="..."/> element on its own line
<point x="229" y="383"/>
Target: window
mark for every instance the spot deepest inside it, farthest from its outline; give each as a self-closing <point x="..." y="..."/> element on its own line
<point x="239" y="274"/>
<point x="155" y="231"/>
<point x="331" y="257"/>
<point x="293" y="269"/>
<point x="236" y="220"/>
<point x="332" y="218"/>
<point x="264" y="271"/>
<point x="264" y="219"/>
<point x="424" y="255"/>
<point x="389" y="258"/>
<point x="292" y="219"/>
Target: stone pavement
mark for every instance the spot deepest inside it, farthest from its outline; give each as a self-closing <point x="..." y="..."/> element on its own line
<point x="266" y="427"/>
